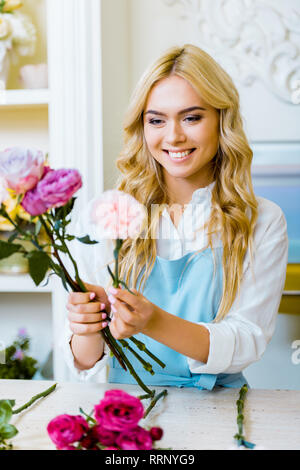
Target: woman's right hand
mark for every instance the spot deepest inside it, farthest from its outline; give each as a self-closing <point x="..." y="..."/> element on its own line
<point x="87" y="314"/>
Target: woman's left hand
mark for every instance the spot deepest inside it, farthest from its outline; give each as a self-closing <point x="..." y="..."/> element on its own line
<point x="131" y="313"/>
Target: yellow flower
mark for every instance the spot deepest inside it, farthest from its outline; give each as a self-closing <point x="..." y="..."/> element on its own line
<point x="11" y="5"/>
<point x="24" y="215"/>
<point x="5" y="28"/>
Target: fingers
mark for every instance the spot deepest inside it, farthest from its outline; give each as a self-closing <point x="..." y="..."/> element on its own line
<point x="91" y="307"/>
<point x="87" y="328"/>
<point x="85" y="315"/>
<point x="125" y="295"/>
<point x="80" y="297"/>
<point x="86" y="318"/>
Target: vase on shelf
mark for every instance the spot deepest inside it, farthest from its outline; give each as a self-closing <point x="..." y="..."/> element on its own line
<point x="14" y="264"/>
<point x="17" y="263"/>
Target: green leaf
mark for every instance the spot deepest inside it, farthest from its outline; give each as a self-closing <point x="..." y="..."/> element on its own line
<point x="87" y="240"/>
<point x="60" y="248"/>
<point x="8" y="249"/>
<point x="7" y="431"/>
<point x="60" y="213"/>
<point x="5" y="411"/>
<point x="39" y="263"/>
<point x="38" y="227"/>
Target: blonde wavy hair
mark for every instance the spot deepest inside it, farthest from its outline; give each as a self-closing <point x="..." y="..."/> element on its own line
<point x="234" y="206"/>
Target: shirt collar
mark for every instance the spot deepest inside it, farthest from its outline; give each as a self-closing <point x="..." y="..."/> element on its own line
<point x="199" y="195"/>
<point x="203" y="193"/>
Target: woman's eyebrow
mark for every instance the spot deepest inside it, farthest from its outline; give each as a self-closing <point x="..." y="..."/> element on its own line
<point x="186" y="110"/>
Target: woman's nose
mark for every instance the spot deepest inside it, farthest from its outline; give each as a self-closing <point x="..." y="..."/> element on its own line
<point x="175" y="133"/>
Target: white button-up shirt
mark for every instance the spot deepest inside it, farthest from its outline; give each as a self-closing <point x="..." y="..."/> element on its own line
<point x="243" y="335"/>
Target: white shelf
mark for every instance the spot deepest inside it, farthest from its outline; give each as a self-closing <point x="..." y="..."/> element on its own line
<point x="22" y="283"/>
<point x="24" y="98"/>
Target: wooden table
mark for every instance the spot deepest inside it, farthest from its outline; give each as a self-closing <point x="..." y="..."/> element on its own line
<point x="191" y="419"/>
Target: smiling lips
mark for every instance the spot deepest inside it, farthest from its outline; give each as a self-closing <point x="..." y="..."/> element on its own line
<point x="179" y="155"/>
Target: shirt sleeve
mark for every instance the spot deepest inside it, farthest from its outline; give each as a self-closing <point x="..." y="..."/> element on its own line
<point x="92" y="261"/>
<point x="241" y="338"/>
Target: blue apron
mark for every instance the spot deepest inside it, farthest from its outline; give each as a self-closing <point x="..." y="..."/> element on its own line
<point x="190" y="291"/>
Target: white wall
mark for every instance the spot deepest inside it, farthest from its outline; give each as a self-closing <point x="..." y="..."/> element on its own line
<point x="116" y="67"/>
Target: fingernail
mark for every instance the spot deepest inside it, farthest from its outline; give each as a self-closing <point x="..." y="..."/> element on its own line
<point x="112" y="299"/>
<point x="92" y="295"/>
<point x="104" y="315"/>
<point x="113" y="290"/>
<point x="102" y="306"/>
<point x="104" y="324"/>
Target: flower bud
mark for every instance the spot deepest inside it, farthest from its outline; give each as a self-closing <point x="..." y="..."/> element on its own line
<point x="156" y="433"/>
<point x="11" y="5"/>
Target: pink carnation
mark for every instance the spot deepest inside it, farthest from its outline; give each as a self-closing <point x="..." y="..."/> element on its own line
<point x="66" y="429"/>
<point x="135" y="439"/>
<point x="54" y="190"/>
<point x="118" y="411"/>
<point x="21" y="168"/>
<point x="117" y="215"/>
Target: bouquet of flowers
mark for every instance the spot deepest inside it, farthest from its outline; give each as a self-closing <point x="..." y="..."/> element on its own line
<point x="115" y="426"/>
<point x="18" y="365"/>
<point x="17" y="33"/>
<point x="47" y="194"/>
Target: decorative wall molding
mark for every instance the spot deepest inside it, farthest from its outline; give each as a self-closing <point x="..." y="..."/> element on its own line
<point x="252" y="39"/>
<point x="75" y="115"/>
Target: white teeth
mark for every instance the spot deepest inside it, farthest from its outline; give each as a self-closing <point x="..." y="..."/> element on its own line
<point x="179" y="154"/>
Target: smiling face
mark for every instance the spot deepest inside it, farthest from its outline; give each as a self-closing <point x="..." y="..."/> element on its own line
<point x="182" y="134"/>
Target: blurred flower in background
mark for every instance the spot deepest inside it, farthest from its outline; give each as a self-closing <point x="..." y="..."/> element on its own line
<point x="17" y="35"/>
<point x="18" y="364"/>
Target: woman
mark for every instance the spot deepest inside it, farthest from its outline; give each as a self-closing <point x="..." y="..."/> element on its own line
<point x="208" y="292"/>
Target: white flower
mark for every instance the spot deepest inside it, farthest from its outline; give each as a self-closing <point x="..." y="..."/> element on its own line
<point x="3" y="192"/>
<point x="5" y="28"/>
<point x="22" y="35"/>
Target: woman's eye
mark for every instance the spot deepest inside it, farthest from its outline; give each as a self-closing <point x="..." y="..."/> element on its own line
<point x="155" y="122"/>
<point x="193" y="118"/>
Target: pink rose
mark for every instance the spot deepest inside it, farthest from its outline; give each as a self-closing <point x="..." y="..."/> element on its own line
<point x="21" y="168"/>
<point x="116" y="215"/>
<point x="58" y="186"/>
<point x="118" y="411"/>
<point x="98" y="434"/>
<point x="55" y="189"/>
<point x="66" y="429"/>
<point x="135" y="439"/>
<point x="33" y="204"/>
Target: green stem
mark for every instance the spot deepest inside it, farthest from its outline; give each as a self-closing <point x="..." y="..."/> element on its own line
<point x="154" y="401"/>
<point x="19" y="230"/>
<point x="33" y="399"/>
<point x="134" y="374"/>
<point x="112" y="344"/>
<point x="147" y="366"/>
<point x="142" y="347"/>
<point x="70" y="281"/>
<point x="240" y="418"/>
